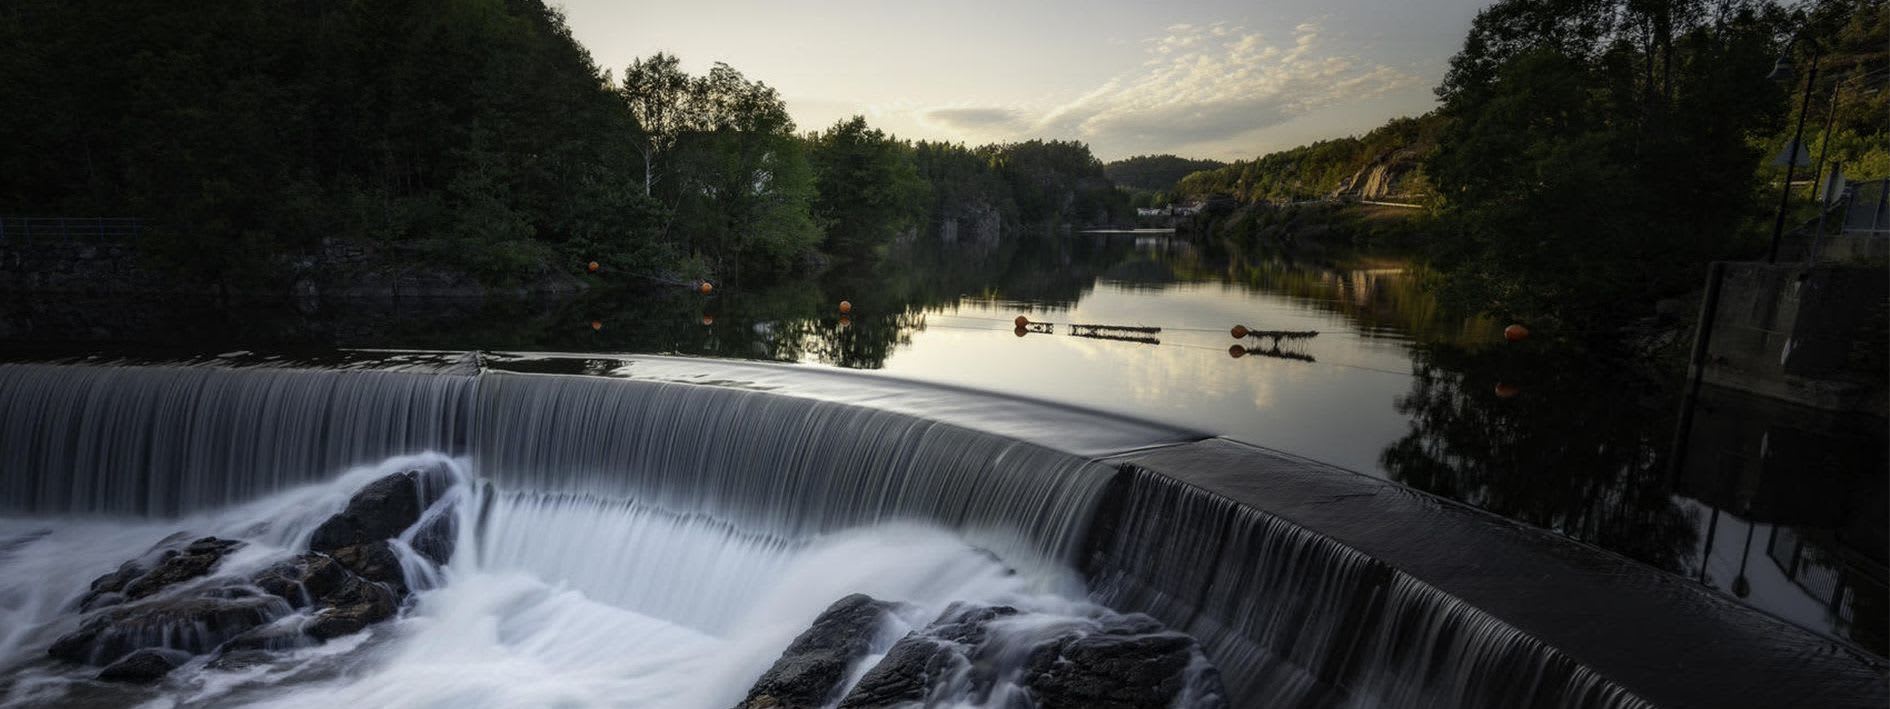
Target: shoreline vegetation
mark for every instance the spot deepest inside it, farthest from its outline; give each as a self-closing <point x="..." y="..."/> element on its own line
<point x="1585" y="161"/>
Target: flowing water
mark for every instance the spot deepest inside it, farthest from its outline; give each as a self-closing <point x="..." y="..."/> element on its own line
<point x="623" y="542"/>
<point x="651" y="531"/>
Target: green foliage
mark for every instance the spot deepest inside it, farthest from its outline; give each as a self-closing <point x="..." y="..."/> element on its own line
<point x="472" y="133"/>
<point x="1155" y="173"/>
<point x="1597" y="154"/>
<point x="1057" y="181"/>
<point x="869" y="188"/>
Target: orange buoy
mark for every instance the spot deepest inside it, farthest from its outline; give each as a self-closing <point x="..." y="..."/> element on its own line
<point x="1516" y="333"/>
<point x="1022" y="322"/>
<point x="708" y="319"/>
<point x="592" y="267"/>
<point x="1239" y="332"/>
<point x="705" y="288"/>
<point x="1507" y="391"/>
<point x="1021" y="331"/>
<point x="845" y="321"/>
<point x="1237" y="352"/>
<point x="846" y="307"/>
<point x="597" y="324"/>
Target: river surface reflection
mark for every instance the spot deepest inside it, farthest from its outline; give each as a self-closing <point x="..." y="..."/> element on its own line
<point x="1781" y="508"/>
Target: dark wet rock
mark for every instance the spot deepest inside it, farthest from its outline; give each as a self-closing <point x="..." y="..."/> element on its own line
<point x="809" y="674"/>
<point x="382" y="509"/>
<point x="1108" y="662"/>
<point x="144" y="666"/>
<point x="914" y="666"/>
<point x="168" y="563"/>
<point x="374" y="561"/>
<point x="1132" y="664"/>
<point x="352" y="609"/>
<point x="141" y="578"/>
<point x="436" y="536"/>
<point x="193" y="625"/>
<point x="303" y="580"/>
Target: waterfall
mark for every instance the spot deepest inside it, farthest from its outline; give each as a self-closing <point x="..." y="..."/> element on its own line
<point x="1294" y="618"/>
<point x="786" y="466"/>
<point x="165" y="440"/>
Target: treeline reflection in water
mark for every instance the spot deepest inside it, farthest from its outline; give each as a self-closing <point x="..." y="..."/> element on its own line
<point x="1779" y="507"/>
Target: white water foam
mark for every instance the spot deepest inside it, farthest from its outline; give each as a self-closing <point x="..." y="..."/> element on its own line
<point x="552" y="599"/>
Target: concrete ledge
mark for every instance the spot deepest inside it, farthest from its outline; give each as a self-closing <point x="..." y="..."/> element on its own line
<point x="1654" y="636"/>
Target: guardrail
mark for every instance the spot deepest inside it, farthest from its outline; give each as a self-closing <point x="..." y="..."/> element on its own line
<point x="68" y="229"/>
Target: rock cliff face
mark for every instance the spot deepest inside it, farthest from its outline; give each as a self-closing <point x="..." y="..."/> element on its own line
<point x="1385" y="178"/>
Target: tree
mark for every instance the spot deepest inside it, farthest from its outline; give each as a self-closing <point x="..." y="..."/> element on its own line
<point x="1598" y="153"/>
<point x="869" y="187"/>
<point x="660" y="97"/>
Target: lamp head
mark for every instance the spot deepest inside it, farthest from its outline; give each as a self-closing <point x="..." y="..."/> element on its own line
<point x="1782" y="69"/>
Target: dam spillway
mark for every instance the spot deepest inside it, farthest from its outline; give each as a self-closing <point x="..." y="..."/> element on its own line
<point x="682" y="490"/>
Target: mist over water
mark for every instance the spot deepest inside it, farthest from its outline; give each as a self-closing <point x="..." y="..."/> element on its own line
<point x="554" y="599"/>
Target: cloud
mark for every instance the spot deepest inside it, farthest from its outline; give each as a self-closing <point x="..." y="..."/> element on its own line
<point x="1199" y="86"/>
<point x="975" y="120"/>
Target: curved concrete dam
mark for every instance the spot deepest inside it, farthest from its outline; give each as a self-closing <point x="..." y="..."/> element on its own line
<point x="651" y="531"/>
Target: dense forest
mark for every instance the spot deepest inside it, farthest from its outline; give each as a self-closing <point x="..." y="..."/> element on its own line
<point x="1150" y="179"/>
<point x="476" y="136"/>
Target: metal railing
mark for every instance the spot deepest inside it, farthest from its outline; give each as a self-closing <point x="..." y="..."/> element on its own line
<point x="69" y="229"/>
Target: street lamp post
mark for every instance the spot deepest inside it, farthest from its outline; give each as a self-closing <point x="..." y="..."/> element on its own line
<point x="1783" y="71"/>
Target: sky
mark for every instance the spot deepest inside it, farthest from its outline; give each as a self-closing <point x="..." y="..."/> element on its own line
<point x="1205" y="79"/>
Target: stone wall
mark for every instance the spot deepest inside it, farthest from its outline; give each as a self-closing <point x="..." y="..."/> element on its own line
<point x="1813" y="335"/>
<point x="77" y="265"/>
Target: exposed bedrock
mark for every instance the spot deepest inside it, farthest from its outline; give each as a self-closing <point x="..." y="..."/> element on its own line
<point x="166" y="565"/>
<point x="155" y="612"/>
<point x="382" y="509"/>
<point x="985" y="654"/>
<point x="810" y="673"/>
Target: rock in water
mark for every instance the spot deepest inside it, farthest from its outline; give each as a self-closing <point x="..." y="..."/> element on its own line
<point x="1110" y="671"/>
<point x="810" y="673"/>
<point x="436" y="536"/>
<point x="141" y="578"/>
<point x="302" y="580"/>
<point x="382" y="509"/>
<point x="374" y="561"/>
<point x="911" y="669"/>
<point x="353" y="608"/>
<point x="144" y="666"/>
<point x="1108" y="661"/>
<point x="192" y="625"/>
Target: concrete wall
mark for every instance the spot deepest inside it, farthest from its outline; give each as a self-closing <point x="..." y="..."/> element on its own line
<point x="1813" y="335"/>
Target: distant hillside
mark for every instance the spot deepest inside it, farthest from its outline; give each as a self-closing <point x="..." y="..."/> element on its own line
<point x="1386" y="163"/>
<point x="1155" y="173"/>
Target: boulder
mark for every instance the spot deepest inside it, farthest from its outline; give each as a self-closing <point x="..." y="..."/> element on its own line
<point x="1106" y="662"/>
<point x="352" y="609"/>
<point x="915" y="665"/>
<point x="144" y="666"/>
<point x="193" y="625"/>
<point x="436" y="537"/>
<point x="1110" y="671"/>
<point x="302" y="580"/>
<point x="374" y="561"/>
<point x="144" y="577"/>
<point x="811" y="671"/>
<point x="382" y="509"/>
